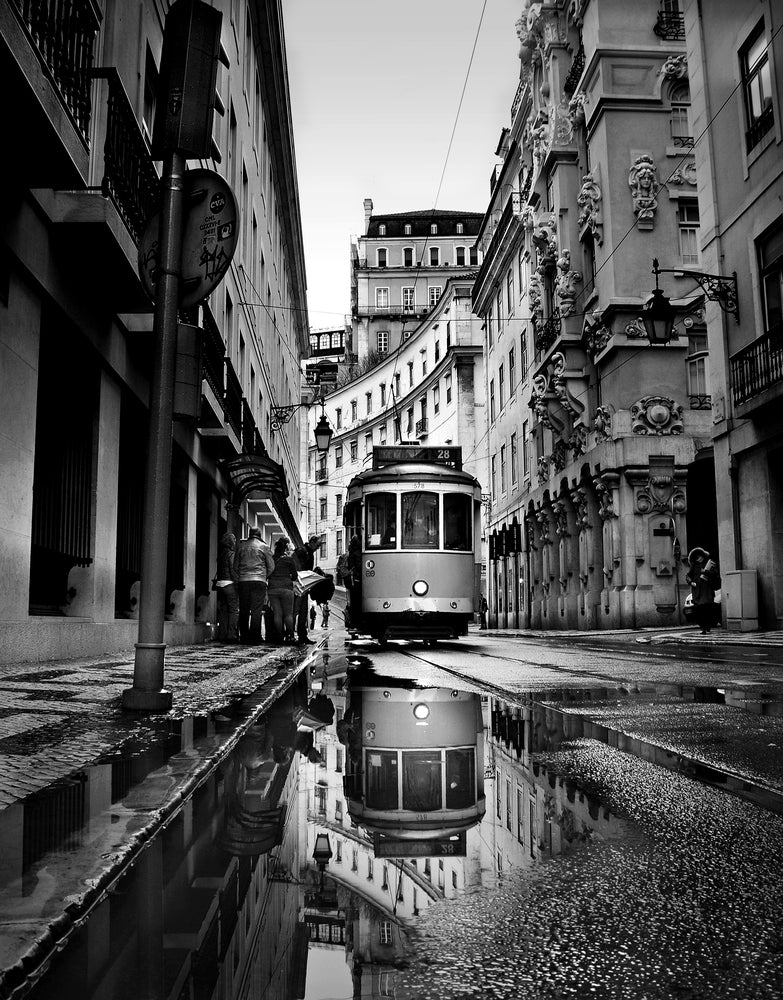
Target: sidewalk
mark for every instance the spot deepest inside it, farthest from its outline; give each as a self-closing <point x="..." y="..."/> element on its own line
<point x="59" y="716"/>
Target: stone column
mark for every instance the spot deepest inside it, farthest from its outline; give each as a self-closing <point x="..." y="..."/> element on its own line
<point x="605" y="487"/>
<point x="568" y="546"/>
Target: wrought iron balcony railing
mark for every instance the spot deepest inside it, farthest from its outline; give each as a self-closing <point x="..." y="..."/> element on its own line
<point x="670" y="25"/>
<point x="248" y="428"/>
<point x="547" y="334"/>
<point x="232" y="402"/>
<point x="422" y="427"/>
<point x="213" y="352"/>
<point x="757" y="367"/>
<point x="129" y="175"/>
<point x="321" y="475"/>
<point x="63" y="33"/>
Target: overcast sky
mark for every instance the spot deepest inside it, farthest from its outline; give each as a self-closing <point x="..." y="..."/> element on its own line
<point x="375" y="88"/>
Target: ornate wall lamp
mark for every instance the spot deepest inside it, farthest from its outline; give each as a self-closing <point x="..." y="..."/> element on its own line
<point x="659" y="314"/>
<point x="323" y="432"/>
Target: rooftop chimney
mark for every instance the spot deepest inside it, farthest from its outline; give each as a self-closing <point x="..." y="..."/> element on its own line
<point x="367" y="214"/>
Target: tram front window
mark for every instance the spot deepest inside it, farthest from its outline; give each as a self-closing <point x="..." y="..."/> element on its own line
<point x="457" y="522"/>
<point x="420" y="521"/>
<point x="460" y="778"/>
<point x="421" y="780"/>
<point x="381" y="521"/>
<point x="381" y="779"/>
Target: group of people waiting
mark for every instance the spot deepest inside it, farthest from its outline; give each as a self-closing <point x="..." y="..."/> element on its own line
<point x="255" y="585"/>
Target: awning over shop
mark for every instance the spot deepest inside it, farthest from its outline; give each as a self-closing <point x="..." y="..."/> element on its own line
<point x="255" y="474"/>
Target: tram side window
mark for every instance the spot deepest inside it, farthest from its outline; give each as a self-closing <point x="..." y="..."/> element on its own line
<point x="421" y="780"/>
<point x="420" y="521"/>
<point x="457" y="522"/>
<point x="460" y="778"/>
<point x="352" y="519"/>
<point x="381" y="521"/>
<point x="381" y="773"/>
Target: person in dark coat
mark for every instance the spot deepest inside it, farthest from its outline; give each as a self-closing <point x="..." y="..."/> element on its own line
<point x="253" y="563"/>
<point x="227" y="593"/>
<point x="281" y="591"/>
<point x="704" y="580"/>
<point x="305" y="560"/>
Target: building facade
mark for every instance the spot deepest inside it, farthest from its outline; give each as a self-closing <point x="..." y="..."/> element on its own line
<point x="599" y="441"/>
<point x="735" y="65"/>
<point x="430" y="389"/>
<point x="76" y="326"/>
<point x="399" y="269"/>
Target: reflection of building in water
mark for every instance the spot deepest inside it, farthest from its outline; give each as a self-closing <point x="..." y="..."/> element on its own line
<point x="190" y="918"/>
<point x="537" y="813"/>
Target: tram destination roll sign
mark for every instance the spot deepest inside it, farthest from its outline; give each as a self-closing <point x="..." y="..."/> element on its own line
<point x="209" y="238"/>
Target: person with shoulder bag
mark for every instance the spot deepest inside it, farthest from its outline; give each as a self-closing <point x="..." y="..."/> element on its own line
<point x="225" y="585"/>
<point x="253" y="563"/>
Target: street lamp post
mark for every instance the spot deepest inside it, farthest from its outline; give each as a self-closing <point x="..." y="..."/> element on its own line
<point x="659" y="314"/>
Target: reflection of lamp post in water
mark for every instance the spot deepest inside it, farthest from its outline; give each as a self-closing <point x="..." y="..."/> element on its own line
<point x="322" y="855"/>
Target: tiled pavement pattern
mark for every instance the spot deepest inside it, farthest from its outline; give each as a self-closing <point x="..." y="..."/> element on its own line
<point x="58" y="717"/>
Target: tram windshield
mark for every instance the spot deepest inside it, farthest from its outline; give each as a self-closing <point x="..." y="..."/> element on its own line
<point x="382" y="779"/>
<point x="421" y="780"/>
<point x="381" y="521"/>
<point x="460" y="778"/>
<point x="420" y="517"/>
<point x="458" y="522"/>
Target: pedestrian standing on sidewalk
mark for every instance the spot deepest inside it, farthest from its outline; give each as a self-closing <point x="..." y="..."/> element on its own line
<point x="305" y="560"/>
<point x="312" y="617"/>
<point x="325" y="615"/>
<point x="281" y="592"/>
<point x="483" y="607"/>
<point x="704" y="580"/>
<point x="226" y="588"/>
<point x="253" y="563"/>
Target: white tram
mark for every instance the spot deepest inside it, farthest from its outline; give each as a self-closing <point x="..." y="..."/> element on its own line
<point x="414" y="524"/>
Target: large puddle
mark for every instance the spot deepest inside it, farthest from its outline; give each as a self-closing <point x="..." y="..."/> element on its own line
<point x="373" y="835"/>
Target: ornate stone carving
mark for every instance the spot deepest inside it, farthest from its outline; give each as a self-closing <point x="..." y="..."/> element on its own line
<point x="543" y="525"/>
<point x="675" y="67"/>
<point x="565" y="285"/>
<point x="576" y="108"/>
<point x="543" y="468"/>
<point x="605" y="500"/>
<point x="596" y="334"/>
<point x="535" y="299"/>
<point x="656" y="415"/>
<point x="559" y="456"/>
<point x="578" y="440"/>
<point x="541" y="137"/>
<point x="635" y="329"/>
<point x="661" y="495"/>
<point x="589" y="200"/>
<point x="602" y="423"/>
<point x="560" y="385"/>
<point x="581" y="508"/>
<point x="686" y="174"/>
<point x="544" y="236"/>
<point x="643" y="182"/>
<point x="560" y="513"/>
<point x="564" y="126"/>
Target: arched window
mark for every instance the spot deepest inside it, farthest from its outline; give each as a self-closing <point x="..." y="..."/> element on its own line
<point x="680" y="115"/>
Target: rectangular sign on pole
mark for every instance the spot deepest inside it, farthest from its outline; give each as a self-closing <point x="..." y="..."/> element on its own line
<point x="441" y="847"/>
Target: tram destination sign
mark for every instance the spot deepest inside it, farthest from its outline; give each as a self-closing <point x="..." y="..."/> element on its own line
<point x="395" y="454"/>
<point x="441" y="847"/>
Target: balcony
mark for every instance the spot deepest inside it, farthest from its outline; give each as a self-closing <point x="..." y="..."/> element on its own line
<point x="101" y="225"/>
<point x="232" y="402"/>
<point x="249" y="433"/>
<point x="322" y="475"/>
<point x="546" y="335"/>
<point x="392" y="312"/>
<point x="422" y="428"/>
<point x="492" y="237"/>
<point x="757" y="372"/>
<point x="670" y="25"/>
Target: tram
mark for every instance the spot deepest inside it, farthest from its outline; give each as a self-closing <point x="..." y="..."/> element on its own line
<point x="414" y="555"/>
<point x="414" y="768"/>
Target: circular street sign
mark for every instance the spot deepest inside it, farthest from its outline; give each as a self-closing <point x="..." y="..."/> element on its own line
<point x="209" y="238"/>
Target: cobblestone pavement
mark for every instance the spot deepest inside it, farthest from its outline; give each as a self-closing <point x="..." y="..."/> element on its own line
<point x="57" y="717"/>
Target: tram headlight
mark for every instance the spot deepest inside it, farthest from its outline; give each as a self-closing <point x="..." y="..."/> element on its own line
<point x="420" y="588"/>
<point x="420" y="710"/>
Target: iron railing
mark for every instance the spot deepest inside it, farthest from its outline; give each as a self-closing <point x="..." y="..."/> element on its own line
<point x="321" y="475"/>
<point x="758" y="366"/>
<point x="422" y="427"/>
<point x="129" y="175"/>
<point x="248" y="428"/>
<point x="63" y="33"/>
<point x="232" y="401"/>
<point x="577" y="68"/>
<point x="670" y="25"/>
<point x="547" y="334"/>
<point x="213" y="353"/>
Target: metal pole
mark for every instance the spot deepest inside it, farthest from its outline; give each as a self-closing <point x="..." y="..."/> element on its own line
<point x="148" y="693"/>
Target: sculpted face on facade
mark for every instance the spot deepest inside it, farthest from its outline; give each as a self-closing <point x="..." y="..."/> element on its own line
<point x="643" y="182"/>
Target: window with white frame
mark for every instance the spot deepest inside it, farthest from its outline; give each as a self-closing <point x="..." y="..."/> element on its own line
<point x="408" y="257"/>
<point x="688" y="221"/>
<point x="459" y="256"/>
<point x="407" y="230"/>
<point x="448" y="388"/>
<point x="433" y="294"/>
<point x="473" y="256"/>
<point x="382" y="390"/>
<point x="501" y="387"/>
<point x="522" y="273"/>
<point x="434" y="256"/>
<point x="680" y="119"/>
<point x="354" y="450"/>
<point x="382" y="341"/>
<point x="338" y="541"/>
<point x="502" y="468"/>
<point x="514" y="459"/>
<point x="368" y="443"/>
<point x="491" y="399"/>
<point x="385" y="932"/>
<point x="494" y="475"/>
<point x="339" y="505"/>
<point x="368" y="400"/>
<point x="382" y="256"/>
<point x="525" y="449"/>
<point x="697" y="362"/>
<point x="338" y="418"/>
<point x="338" y="456"/>
<point x="436" y="399"/>
<point x="756" y="87"/>
<point x="408" y="299"/>
<point x="437" y="351"/>
<point x="382" y="434"/>
<point x="381" y="298"/>
<point x="382" y="229"/>
<point x="509" y="292"/>
<point x="409" y="429"/>
<point x="433" y="229"/>
<point x="354" y="410"/>
<point x="512" y="372"/>
<point x="499" y="310"/>
<point x="322" y="508"/>
<point x="460" y="229"/>
<point x="410" y="373"/>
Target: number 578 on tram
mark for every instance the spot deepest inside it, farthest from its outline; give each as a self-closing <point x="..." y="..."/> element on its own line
<point x="414" y="555"/>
